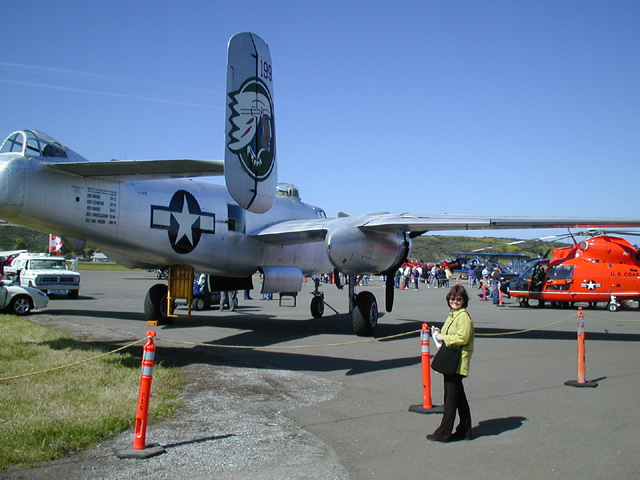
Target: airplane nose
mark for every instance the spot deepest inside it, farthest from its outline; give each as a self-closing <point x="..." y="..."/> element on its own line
<point x="3" y="183"/>
<point x="11" y="188"/>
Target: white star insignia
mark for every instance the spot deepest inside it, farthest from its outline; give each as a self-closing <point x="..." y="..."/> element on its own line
<point x="185" y="220"/>
<point x="591" y="285"/>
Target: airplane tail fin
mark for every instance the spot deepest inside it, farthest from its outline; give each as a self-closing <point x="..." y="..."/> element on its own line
<point x="250" y="165"/>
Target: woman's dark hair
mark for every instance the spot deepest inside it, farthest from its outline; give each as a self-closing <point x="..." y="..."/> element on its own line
<point x="458" y="291"/>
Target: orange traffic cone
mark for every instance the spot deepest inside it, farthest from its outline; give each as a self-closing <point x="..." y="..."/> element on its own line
<point x="581" y="382"/>
<point x="427" y="406"/>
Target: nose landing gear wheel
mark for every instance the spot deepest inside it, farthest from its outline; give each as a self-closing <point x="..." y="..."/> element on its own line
<point x="317" y="306"/>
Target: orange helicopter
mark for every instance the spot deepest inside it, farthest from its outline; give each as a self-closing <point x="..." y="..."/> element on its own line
<point x="601" y="269"/>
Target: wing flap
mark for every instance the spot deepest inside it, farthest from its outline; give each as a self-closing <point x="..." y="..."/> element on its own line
<point x="121" y="169"/>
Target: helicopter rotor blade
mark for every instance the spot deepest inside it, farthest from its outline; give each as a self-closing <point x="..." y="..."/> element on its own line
<point x="544" y="239"/>
<point x="591" y="232"/>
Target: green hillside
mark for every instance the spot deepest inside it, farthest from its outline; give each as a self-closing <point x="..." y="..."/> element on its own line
<point x="22" y="238"/>
<point x="434" y="248"/>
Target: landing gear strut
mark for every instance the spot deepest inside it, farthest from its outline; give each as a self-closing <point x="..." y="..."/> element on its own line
<point x="614" y="305"/>
<point x="317" y="302"/>
<point x="363" y="308"/>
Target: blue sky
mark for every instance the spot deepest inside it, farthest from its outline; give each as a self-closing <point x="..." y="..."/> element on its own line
<point x="494" y="107"/>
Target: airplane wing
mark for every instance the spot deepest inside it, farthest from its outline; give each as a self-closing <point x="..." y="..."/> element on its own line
<point x="424" y="223"/>
<point x="121" y="169"/>
<point x="302" y="231"/>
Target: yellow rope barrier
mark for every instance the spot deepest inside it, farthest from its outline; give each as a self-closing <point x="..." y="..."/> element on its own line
<point x="586" y="314"/>
<point x="525" y="330"/>
<point x="75" y="363"/>
<point x="286" y="347"/>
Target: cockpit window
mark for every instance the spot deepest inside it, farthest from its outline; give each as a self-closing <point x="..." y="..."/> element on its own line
<point x="33" y="146"/>
<point x="51" y="150"/>
<point x="287" y="190"/>
<point x="561" y="272"/>
<point x="32" y="143"/>
<point x="13" y="143"/>
<point x="529" y="271"/>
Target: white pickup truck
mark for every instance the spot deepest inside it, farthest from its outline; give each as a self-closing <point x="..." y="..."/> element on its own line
<point x="48" y="274"/>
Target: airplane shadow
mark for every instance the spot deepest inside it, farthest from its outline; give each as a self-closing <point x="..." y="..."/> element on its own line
<point x="179" y="356"/>
<point x="257" y="333"/>
<point x="497" y="426"/>
<point x="95" y="314"/>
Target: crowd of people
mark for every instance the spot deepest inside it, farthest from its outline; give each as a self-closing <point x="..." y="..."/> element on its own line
<point x="436" y="276"/>
<point x="482" y="277"/>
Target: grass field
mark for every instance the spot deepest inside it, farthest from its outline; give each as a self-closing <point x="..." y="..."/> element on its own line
<point x="50" y="414"/>
<point x="100" y="266"/>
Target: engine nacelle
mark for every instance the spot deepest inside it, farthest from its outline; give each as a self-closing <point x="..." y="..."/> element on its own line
<point x="281" y="279"/>
<point x="363" y="251"/>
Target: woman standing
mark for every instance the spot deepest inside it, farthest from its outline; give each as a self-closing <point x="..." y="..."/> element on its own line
<point x="457" y="331"/>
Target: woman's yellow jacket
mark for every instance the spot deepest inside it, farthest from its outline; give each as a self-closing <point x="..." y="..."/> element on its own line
<point x="458" y="332"/>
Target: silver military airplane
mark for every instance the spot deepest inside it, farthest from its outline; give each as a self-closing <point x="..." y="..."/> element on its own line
<point x="149" y="214"/>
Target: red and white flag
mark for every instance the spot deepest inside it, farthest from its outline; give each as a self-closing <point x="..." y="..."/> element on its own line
<point x="55" y="245"/>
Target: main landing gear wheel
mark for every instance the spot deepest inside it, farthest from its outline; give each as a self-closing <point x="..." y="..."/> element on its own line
<point x="317" y="306"/>
<point x="365" y="314"/>
<point x="613" y="307"/>
<point x="155" y="305"/>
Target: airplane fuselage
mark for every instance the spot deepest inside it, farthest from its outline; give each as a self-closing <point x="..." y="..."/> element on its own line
<point x="152" y="223"/>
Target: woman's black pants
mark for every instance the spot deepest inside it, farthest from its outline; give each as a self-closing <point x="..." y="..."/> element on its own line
<point x="454" y="400"/>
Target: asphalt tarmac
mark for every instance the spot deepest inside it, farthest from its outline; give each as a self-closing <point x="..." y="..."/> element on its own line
<point x="527" y="422"/>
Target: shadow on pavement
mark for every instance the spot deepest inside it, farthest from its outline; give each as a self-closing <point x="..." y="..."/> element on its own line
<point x="497" y="426"/>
